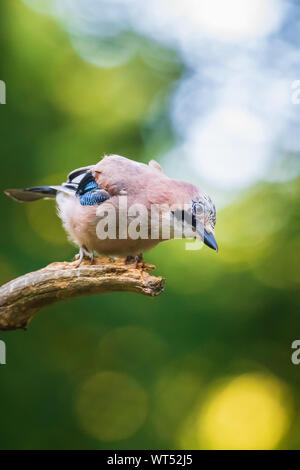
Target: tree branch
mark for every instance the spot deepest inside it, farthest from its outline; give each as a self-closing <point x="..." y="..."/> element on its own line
<point x="22" y="298"/>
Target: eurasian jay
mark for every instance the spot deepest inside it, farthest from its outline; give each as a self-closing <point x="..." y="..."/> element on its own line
<point x="95" y="190"/>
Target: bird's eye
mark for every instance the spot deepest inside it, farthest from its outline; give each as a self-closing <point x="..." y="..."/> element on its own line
<point x="198" y="207"/>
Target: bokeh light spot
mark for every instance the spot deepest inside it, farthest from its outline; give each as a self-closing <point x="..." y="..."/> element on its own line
<point x="238" y="156"/>
<point x="249" y="412"/>
<point x="111" y="406"/>
<point x="238" y="19"/>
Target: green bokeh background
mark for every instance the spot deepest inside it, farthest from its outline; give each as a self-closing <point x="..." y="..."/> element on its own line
<point x="221" y="316"/>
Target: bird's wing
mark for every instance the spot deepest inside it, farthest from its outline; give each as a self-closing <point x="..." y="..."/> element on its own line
<point x="119" y="175"/>
<point x="73" y="176"/>
<point x="80" y="179"/>
<point x="31" y="194"/>
<point x="87" y="190"/>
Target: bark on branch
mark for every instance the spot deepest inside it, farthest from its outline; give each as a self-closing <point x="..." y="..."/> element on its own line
<point x="22" y="298"/>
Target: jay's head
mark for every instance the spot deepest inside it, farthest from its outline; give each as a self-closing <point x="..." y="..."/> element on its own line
<point x="204" y="219"/>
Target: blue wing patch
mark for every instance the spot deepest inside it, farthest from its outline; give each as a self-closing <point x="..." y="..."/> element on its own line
<point x="93" y="197"/>
<point x="89" y="193"/>
<point x="90" y="186"/>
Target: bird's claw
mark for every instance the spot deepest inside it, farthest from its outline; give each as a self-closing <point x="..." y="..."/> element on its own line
<point x="84" y="253"/>
<point x="137" y="260"/>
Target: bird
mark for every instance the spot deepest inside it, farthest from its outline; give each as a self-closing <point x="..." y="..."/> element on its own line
<point x="94" y="192"/>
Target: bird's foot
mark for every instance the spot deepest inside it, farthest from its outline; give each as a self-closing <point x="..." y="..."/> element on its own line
<point x="137" y="260"/>
<point x="113" y="258"/>
<point x="84" y="253"/>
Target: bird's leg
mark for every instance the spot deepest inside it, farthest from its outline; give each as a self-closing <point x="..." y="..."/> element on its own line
<point x="84" y="253"/>
<point x="129" y="259"/>
<point x="138" y="260"/>
<point x="113" y="258"/>
<point x="90" y="255"/>
<point x="79" y="257"/>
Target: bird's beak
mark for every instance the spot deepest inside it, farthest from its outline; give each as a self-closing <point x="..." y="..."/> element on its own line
<point x="210" y="241"/>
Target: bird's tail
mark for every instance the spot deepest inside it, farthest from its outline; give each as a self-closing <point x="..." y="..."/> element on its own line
<point x="32" y="194"/>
